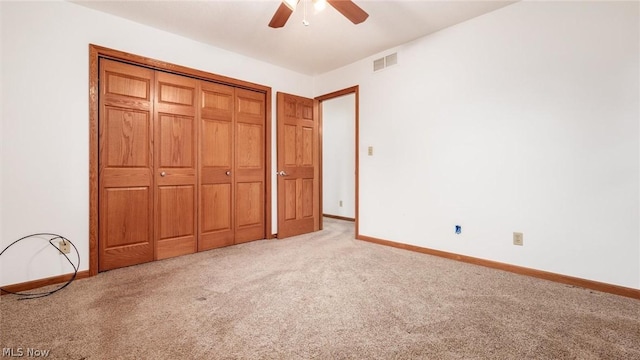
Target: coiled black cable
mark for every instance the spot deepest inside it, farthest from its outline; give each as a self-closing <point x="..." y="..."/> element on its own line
<point x="28" y="296"/>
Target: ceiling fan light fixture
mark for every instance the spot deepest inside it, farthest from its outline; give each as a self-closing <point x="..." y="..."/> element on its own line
<point x="291" y="4"/>
<point x="319" y="5"/>
<point x="347" y="8"/>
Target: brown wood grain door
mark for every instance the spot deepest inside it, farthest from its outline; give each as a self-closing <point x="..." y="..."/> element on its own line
<point x="217" y="203"/>
<point x="250" y="165"/>
<point x="182" y="165"/>
<point x="125" y="165"/>
<point x="233" y="171"/>
<point x="298" y="165"/>
<point x="176" y="139"/>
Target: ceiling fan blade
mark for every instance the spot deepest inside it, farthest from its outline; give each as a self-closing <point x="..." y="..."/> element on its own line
<point x="350" y="10"/>
<point x="281" y="16"/>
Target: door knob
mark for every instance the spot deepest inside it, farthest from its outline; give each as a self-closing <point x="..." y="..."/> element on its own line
<point x="163" y="174"/>
<point x="228" y="173"/>
<point x="282" y="173"/>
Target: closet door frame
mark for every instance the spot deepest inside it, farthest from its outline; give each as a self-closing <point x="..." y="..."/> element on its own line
<point x="95" y="53"/>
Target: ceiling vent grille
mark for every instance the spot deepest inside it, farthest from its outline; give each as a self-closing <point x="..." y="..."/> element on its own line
<point x="385" y="62"/>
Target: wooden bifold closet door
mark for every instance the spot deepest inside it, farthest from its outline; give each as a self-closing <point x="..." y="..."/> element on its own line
<point x="176" y="135"/>
<point x="181" y="165"/>
<point x="232" y="166"/>
<point x="125" y="170"/>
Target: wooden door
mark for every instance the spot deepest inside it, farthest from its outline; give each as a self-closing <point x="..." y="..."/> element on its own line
<point x="249" y="175"/>
<point x="233" y="171"/>
<point x="217" y="104"/>
<point x="182" y="165"/>
<point x="176" y="134"/>
<point x="125" y="175"/>
<point x="298" y="168"/>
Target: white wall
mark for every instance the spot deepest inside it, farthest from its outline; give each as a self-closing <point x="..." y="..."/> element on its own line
<point x="524" y="119"/>
<point x="339" y="156"/>
<point x="45" y="126"/>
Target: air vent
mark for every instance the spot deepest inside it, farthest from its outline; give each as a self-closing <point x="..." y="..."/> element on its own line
<point x="378" y="64"/>
<point x="390" y="60"/>
<point x="385" y="62"/>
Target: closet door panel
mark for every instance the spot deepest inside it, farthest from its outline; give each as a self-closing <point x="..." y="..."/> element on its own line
<point x="217" y="196"/>
<point x="216" y="212"/>
<point x="125" y="165"/>
<point x="175" y="165"/>
<point x="250" y="165"/>
<point x="176" y="142"/>
<point x="217" y="144"/>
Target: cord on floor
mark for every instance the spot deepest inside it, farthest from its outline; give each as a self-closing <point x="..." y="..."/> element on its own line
<point x="29" y="296"/>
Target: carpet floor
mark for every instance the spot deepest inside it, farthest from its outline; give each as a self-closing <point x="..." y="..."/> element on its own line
<point x="320" y="296"/>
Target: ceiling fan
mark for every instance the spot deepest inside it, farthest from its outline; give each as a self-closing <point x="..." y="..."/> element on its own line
<point x="346" y="7"/>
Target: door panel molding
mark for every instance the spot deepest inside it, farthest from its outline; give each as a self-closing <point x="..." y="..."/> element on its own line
<point x="175" y="96"/>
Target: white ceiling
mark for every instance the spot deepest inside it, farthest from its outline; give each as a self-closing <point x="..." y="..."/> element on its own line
<point x="331" y="41"/>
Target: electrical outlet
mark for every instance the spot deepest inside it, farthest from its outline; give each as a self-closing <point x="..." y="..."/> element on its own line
<point x="518" y="239"/>
<point x="340" y="203"/>
<point x="370" y="150"/>
<point x="64" y="246"/>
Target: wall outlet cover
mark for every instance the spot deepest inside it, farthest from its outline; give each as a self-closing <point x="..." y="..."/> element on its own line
<point x="518" y="238"/>
<point x="64" y="246"/>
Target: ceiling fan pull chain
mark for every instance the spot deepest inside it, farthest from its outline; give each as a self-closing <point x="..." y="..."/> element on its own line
<point x="304" y="18"/>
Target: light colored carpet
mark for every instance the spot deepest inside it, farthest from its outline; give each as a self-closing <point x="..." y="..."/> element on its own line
<point x="321" y="296"/>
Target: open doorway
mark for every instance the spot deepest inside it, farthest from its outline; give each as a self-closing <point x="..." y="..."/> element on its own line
<point x="339" y="140"/>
